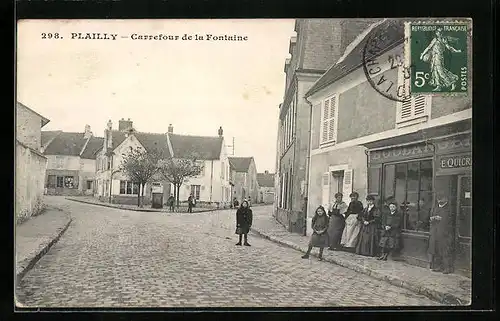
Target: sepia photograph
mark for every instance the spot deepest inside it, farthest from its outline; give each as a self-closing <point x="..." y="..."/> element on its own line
<point x="218" y="163"/>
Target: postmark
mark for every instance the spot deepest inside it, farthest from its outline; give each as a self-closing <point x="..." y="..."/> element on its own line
<point x="384" y="62"/>
<point x="439" y="57"/>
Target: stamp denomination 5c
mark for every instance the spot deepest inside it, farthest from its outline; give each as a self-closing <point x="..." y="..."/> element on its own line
<point x="439" y="57"/>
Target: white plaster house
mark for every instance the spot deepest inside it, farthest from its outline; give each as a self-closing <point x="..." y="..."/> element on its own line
<point x="30" y="162"/>
<point x="212" y="186"/>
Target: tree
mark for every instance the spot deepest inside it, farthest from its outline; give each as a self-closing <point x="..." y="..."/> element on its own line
<point x="140" y="166"/>
<point x="178" y="170"/>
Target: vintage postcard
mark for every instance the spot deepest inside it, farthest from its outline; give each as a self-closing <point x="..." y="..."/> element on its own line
<point x="243" y="163"/>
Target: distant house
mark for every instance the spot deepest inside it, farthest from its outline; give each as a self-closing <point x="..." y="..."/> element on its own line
<point x="30" y="162"/>
<point x="266" y="187"/>
<point x="244" y="178"/>
<point x="211" y="186"/>
<point x="71" y="161"/>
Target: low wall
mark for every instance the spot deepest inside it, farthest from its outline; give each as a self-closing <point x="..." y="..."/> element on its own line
<point x="30" y="181"/>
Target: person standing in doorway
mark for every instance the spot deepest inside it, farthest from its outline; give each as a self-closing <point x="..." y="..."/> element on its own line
<point x="441" y="236"/>
<point x="190" y="203"/>
<point x="391" y="230"/>
<point x="249" y="201"/>
<point x="336" y="222"/>
<point x="235" y="203"/>
<point x="368" y="236"/>
<point x="244" y="217"/>
<point x="319" y="238"/>
<point x="352" y="224"/>
<point x="171" y="202"/>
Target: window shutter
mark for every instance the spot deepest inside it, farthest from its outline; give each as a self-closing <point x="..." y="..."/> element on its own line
<point x="419" y="105"/>
<point x="347" y="183"/>
<point x="326" y="190"/>
<point x="326" y="112"/>
<point x="406" y="109"/>
<point x="331" y="125"/>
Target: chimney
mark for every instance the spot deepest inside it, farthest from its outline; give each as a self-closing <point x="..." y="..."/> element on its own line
<point x="266" y="172"/>
<point x="110" y="125"/>
<point x="221" y="132"/>
<point x="88" y="132"/>
<point x="170" y="129"/>
<point x="124" y="125"/>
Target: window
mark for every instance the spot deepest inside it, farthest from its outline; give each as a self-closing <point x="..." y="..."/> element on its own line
<point x="414" y="110"/>
<point x="51" y="181"/>
<point x="195" y="190"/>
<point x="59" y="162"/>
<point x="328" y="120"/>
<point x="411" y="185"/>
<point x="89" y="184"/>
<point x="69" y="182"/>
<point x="129" y="188"/>
<point x="60" y="181"/>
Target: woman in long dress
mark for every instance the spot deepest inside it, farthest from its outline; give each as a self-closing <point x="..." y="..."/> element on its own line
<point x="337" y="222"/>
<point x="440" y="77"/>
<point x="368" y="236"/>
<point x="352" y="225"/>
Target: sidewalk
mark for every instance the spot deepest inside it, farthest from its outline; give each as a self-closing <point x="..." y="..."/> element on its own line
<point x="36" y="236"/>
<point x="91" y="200"/>
<point x="450" y="289"/>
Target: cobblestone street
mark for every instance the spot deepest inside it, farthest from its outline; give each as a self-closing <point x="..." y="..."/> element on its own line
<point x="117" y="258"/>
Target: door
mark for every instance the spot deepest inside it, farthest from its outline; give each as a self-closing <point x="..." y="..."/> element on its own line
<point x="463" y="256"/>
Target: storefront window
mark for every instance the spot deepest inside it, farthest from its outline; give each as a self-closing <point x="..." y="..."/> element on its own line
<point x="411" y="185"/>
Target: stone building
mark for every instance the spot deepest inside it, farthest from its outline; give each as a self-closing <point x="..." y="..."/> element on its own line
<point x="71" y="161"/>
<point x="244" y="178"/>
<point x="30" y="162"/>
<point x="266" y="187"/>
<point x="317" y="45"/>
<point x="362" y="141"/>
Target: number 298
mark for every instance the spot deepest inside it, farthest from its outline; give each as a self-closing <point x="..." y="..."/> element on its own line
<point x="50" y="35"/>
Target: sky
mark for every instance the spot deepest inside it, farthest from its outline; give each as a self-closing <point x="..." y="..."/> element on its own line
<point x="195" y="85"/>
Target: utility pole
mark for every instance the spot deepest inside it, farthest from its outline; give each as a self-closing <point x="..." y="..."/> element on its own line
<point x="232" y="147"/>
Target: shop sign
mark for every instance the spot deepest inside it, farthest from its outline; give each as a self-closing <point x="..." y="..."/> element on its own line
<point x="402" y="152"/>
<point x="157" y="188"/>
<point x="457" y="161"/>
<point x="451" y="144"/>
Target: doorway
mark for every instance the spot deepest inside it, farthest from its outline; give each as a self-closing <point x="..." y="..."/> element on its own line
<point x="463" y="257"/>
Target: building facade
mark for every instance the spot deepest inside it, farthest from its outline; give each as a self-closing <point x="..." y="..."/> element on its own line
<point x="210" y="187"/>
<point x="362" y="141"/>
<point x="318" y="43"/>
<point x="244" y="178"/>
<point x="71" y="161"/>
<point x="30" y="162"/>
<point x="266" y="187"/>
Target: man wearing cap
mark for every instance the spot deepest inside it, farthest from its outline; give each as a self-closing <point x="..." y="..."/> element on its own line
<point x="441" y="236"/>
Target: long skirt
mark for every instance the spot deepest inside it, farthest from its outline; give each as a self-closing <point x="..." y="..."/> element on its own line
<point x="351" y="232"/>
<point x="319" y="240"/>
<point x="389" y="241"/>
<point x="368" y="243"/>
<point x="335" y="230"/>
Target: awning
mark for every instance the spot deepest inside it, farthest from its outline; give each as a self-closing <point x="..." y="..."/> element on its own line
<point x="422" y="135"/>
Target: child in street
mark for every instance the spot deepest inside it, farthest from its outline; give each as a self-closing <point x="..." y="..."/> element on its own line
<point x="391" y="231"/>
<point x="319" y="238"/>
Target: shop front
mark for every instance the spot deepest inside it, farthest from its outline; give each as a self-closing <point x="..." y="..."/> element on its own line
<point x="413" y="172"/>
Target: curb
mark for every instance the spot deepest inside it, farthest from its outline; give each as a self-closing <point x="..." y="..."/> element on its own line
<point x="442" y="297"/>
<point x="28" y="263"/>
<point x="144" y="210"/>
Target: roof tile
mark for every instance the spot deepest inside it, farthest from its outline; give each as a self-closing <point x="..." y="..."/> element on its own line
<point x="240" y="164"/>
<point x="265" y="180"/>
<point x="204" y="147"/>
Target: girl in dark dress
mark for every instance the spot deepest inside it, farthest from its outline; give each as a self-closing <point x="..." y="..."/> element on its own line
<point x="367" y="242"/>
<point x="391" y="231"/>
<point x="244" y="218"/>
<point x="319" y="238"/>
<point x="337" y="222"/>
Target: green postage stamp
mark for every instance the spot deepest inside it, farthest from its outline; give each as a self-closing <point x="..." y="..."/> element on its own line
<point x="439" y="57"/>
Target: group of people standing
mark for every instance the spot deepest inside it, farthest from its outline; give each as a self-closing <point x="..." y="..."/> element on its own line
<point x="373" y="231"/>
<point x="364" y="230"/>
